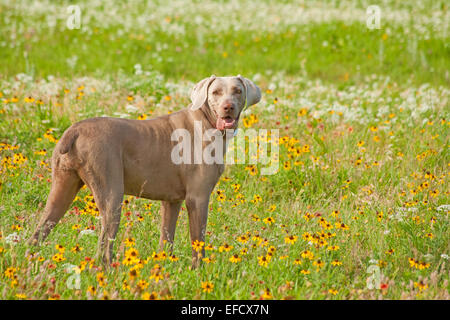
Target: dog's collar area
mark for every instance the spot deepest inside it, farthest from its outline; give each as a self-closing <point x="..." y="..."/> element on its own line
<point x="209" y="116"/>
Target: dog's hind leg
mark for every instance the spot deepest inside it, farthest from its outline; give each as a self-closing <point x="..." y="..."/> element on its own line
<point x="108" y="190"/>
<point x="169" y="217"/>
<point x="65" y="186"/>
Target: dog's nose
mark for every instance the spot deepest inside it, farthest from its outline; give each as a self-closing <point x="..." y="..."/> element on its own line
<point x="228" y="107"/>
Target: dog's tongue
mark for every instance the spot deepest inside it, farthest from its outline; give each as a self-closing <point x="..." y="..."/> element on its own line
<point x="224" y="123"/>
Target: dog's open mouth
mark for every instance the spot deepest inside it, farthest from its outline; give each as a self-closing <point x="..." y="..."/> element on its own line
<point x="225" y="123"/>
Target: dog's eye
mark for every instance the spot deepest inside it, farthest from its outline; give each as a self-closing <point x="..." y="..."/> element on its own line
<point x="217" y="92"/>
<point x="238" y="91"/>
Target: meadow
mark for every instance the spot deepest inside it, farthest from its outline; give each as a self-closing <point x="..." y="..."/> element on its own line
<point x="359" y="208"/>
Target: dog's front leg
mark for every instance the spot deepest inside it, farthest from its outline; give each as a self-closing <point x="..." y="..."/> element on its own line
<point x="197" y="207"/>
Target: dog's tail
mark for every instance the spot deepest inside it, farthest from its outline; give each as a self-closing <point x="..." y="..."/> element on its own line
<point x="67" y="140"/>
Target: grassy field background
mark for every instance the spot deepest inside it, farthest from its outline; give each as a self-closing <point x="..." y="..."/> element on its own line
<point x="361" y="196"/>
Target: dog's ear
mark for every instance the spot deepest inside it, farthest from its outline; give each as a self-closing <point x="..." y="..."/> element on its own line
<point x="252" y="92"/>
<point x="200" y="92"/>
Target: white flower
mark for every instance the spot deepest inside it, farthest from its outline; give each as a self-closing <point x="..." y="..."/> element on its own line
<point x="444" y="207"/>
<point x="130" y="108"/>
<point x="87" y="232"/>
<point x="444" y="256"/>
<point x="12" y="238"/>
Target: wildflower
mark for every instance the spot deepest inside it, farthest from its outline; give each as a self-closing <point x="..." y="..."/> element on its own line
<point x="142" y="284"/>
<point x="243" y="239"/>
<point x="290" y="239"/>
<point x="207" y="286"/>
<point x="101" y="279"/>
<point x="130" y="242"/>
<point x="305" y="272"/>
<point x="266" y="294"/>
<point x="421" y="285"/>
<point x="225" y="247"/>
<point x="133" y="273"/>
<point x="150" y="296"/>
<point x="264" y="260"/>
<point x="173" y="258"/>
<point x="92" y="290"/>
<point x="197" y="245"/>
<point x="157" y="273"/>
<point x="307" y="254"/>
<point x="335" y="263"/>
<point x="318" y="264"/>
<point x="58" y="257"/>
<point x="132" y="253"/>
<point x="269" y="220"/>
<point x="9" y="272"/>
<point x="235" y="258"/>
<point x="209" y="260"/>
<point x="333" y="291"/>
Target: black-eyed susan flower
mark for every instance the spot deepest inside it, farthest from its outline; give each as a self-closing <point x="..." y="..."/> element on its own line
<point x="207" y="286"/>
<point x="225" y="247"/>
<point x="197" y="245"/>
<point x="235" y="258"/>
<point x="264" y="260"/>
<point x="269" y="220"/>
<point x="150" y="296"/>
<point x="290" y="239"/>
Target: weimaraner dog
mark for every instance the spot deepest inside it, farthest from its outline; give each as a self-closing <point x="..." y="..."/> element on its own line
<point x="115" y="156"/>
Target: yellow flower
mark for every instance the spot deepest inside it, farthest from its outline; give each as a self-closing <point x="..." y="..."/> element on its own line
<point x="9" y="272"/>
<point x="92" y="290"/>
<point x="333" y="291"/>
<point x="225" y="247"/>
<point x="58" y="257"/>
<point x="318" y="263"/>
<point x="269" y="220"/>
<point x="266" y="294"/>
<point x="129" y="242"/>
<point x="264" y="260"/>
<point x="421" y="285"/>
<point x="243" y="238"/>
<point x="335" y="263"/>
<point x="305" y="272"/>
<point x="150" y="296"/>
<point x="197" y="245"/>
<point x="60" y="248"/>
<point x="76" y="249"/>
<point x="307" y="254"/>
<point x="290" y="239"/>
<point x="207" y="286"/>
<point x="142" y="284"/>
<point x="235" y="258"/>
<point x="101" y="279"/>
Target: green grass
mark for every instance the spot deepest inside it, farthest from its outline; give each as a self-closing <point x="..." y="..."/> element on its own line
<point x="386" y="87"/>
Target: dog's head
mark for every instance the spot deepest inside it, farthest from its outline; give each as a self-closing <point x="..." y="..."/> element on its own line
<point x="226" y="97"/>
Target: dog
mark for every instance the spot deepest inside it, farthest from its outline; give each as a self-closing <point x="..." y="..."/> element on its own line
<point x="114" y="156"/>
